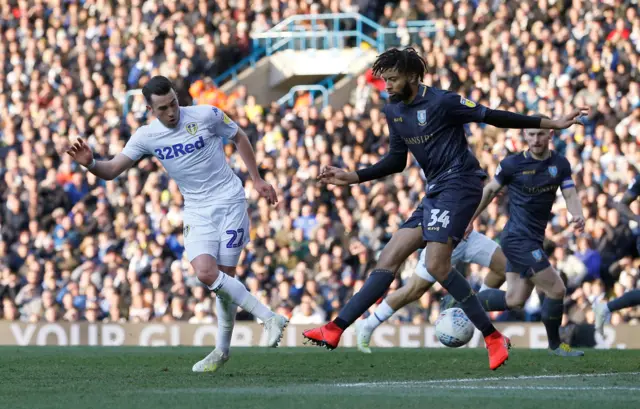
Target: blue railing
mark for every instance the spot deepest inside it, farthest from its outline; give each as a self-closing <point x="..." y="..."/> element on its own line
<point x="326" y="84"/>
<point x="329" y="82"/>
<point x="420" y="24"/>
<point x="327" y="31"/>
<point x="290" y="96"/>
<point x="321" y="31"/>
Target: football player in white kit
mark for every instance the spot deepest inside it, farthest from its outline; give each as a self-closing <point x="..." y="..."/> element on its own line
<point x="476" y="248"/>
<point x="189" y="143"/>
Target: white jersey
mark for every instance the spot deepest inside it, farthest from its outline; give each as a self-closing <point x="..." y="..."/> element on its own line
<point x="193" y="154"/>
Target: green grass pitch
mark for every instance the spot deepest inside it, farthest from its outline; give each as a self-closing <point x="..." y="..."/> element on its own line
<point x="313" y="378"/>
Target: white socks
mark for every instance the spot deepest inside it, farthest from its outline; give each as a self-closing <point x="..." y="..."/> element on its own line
<point x="226" y="312"/>
<point x="380" y="315"/>
<point x="384" y="312"/>
<point x="235" y="292"/>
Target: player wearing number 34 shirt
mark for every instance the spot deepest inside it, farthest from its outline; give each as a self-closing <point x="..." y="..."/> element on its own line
<point x="429" y="123"/>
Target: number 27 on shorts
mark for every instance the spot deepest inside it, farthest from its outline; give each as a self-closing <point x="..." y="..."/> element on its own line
<point x="237" y="238"/>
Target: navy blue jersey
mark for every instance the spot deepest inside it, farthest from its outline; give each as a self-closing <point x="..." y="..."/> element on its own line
<point x="432" y="128"/>
<point x="533" y="185"/>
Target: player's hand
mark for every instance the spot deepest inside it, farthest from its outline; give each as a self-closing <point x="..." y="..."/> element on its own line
<point x="578" y="224"/>
<point x="469" y="230"/>
<point x="574" y="118"/>
<point x="266" y="190"/>
<point x="81" y="153"/>
<point x="335" y="176"/>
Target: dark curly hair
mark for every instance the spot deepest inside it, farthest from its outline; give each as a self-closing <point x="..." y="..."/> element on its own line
<point x="406" y="61"/>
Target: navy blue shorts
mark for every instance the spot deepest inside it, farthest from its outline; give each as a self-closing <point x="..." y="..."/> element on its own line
<point x="525" y="257"/>
<point x="447" y="208"/>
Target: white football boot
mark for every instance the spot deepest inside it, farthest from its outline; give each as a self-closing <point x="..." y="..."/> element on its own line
<point x="213" y="362"/>
<point x="363" y="336"/>
<point x="274" y="328"/>
<point x="602" y="316"/>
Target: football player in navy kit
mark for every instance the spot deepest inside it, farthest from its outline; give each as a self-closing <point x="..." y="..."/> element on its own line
<point x="533" y="178"/>
<point x="429" y="122"/>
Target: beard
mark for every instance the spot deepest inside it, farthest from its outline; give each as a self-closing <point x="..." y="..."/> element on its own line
<point x="539" y="151"/>
<point x="404" y="95"/>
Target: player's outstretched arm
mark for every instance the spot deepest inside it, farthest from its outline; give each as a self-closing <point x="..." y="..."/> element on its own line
<point x="390" y="164"/>
<point x="575" y="207"/>
<point x="330" y="175"/>
<point x="570" y="194"/>
<point x="488" y="194"/>
<point x="248" y="156"/>
<point x="490" y="191"/>
<point x="394" y="162"/>
<point x="506" y="119"/>
<point x="107" y="170"/>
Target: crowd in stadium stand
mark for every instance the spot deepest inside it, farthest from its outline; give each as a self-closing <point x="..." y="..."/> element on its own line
<point x="76" y="248"/>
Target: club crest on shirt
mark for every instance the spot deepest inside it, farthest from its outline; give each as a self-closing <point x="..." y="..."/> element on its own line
<point x="192" y="128"/>
<point x="187" y="229"/>
<point x="537" y="254"/>
<point x="553" y="171"/>
<point x="422" y="117"/>
<point x="467" y="103"/>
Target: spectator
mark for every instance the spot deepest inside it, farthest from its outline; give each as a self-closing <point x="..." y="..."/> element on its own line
<point x="307" y="313"/>
<point x="202" y="315"/>
<point x="589" y="257"/>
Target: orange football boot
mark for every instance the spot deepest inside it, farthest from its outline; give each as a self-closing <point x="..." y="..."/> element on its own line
<point x="498" y="346"/>
<point x="327" y="336"/>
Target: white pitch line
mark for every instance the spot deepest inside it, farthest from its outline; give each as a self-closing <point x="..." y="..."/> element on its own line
<point x="296" y="389"/>
<point x="434" y="384"/>
<point x="537" y="388"/>
<point x="487" y="379"/>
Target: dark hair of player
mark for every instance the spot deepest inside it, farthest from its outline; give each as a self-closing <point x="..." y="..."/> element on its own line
<point x="407" y="62"/>
<point x="157" y="85"/>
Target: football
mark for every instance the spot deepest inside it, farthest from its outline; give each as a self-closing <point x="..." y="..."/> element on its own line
<point x="453" y="328"/>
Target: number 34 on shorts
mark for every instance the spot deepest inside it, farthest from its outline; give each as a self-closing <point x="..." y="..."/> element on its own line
<point x="445" y="214"/>
<point x="439" y="218"/>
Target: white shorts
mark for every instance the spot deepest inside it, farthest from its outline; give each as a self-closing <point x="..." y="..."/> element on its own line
<point x="220" y="230"/>
<point x="477" y="249"/>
